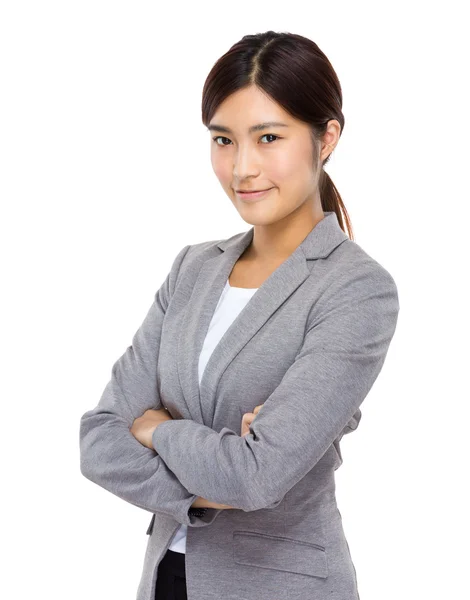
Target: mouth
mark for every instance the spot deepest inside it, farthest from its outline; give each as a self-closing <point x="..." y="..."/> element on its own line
<point x="252" y="194"/>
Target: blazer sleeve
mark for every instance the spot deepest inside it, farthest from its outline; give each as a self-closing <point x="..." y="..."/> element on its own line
<point x="110" y="455"/>
<point x="343" y="351"/>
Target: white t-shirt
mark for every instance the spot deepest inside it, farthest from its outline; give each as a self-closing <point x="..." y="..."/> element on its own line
<point x="231" y="302"/>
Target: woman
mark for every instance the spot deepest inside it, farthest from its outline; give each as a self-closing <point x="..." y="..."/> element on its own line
<point x="225" y="415"/>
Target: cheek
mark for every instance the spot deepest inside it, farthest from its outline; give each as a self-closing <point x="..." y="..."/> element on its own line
<point x="288" y="166"/>
<point x="292" y="173"/>
<point x="221" y="168"/>
<point x="281" y="169"/>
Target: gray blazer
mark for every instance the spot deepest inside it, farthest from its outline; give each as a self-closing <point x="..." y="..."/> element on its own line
<point x="308" y="346"/>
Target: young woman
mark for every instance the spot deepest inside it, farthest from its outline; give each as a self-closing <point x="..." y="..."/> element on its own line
<point x="224" y="417"/>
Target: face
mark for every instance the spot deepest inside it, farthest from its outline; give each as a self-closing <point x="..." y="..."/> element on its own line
<point x="278" y="157"/>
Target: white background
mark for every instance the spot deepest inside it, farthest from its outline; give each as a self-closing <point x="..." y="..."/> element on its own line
<point x="106" y="175"/>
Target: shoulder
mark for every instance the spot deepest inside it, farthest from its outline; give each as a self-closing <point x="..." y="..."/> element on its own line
<point x="351" y="260"/>
<point x="350" y="274"/>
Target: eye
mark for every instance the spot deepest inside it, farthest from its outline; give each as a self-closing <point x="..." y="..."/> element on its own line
<point x="270" y="135"/>
<point x="221" y="137"/>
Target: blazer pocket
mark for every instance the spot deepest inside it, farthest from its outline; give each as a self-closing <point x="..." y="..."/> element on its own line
<point x="281" y="553"/>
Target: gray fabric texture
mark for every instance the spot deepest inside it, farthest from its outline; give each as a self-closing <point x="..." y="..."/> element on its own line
<point x="308" y="346"/>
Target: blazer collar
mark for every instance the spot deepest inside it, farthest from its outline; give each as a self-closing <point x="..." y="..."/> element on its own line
<point x="275" y="290"/>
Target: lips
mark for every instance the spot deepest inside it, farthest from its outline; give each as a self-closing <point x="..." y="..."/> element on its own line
<point x="253" y="196"/>
<point x="251" y="191"/>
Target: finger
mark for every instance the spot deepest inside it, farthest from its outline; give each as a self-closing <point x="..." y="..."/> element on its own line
<point x="246" y="422"/>
<point x="248" y="418"/>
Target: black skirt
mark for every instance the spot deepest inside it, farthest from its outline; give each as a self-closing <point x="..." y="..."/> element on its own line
<point x="171" y="577"/>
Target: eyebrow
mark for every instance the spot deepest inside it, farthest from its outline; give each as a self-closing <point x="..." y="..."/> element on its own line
<point x="258" y="127"/>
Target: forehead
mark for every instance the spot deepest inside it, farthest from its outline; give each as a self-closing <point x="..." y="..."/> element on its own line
<point x="249" y="110"/>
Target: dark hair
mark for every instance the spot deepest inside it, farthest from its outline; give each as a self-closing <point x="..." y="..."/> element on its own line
<point x="295" y="73"/>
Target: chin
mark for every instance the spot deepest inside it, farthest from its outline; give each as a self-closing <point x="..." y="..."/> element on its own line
<point x="258" y="218"/>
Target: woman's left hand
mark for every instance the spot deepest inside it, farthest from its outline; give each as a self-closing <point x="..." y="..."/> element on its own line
<point x="144" y="426"/>
<point x="248" y="419"/>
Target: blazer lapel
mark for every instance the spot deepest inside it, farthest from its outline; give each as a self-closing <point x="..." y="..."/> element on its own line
<point x="276" y="289"/>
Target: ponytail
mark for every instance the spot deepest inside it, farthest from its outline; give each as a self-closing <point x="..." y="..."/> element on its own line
<point x="331" y="201"/>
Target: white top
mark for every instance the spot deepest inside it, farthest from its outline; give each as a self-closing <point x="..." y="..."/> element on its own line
<point x="231" y="302"/>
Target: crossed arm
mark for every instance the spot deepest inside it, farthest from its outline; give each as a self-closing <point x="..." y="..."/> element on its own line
<point x="343" y="352"/>
<point x="143" y="427"/>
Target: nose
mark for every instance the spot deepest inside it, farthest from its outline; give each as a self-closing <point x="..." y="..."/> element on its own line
<point x="245" y="164"/>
